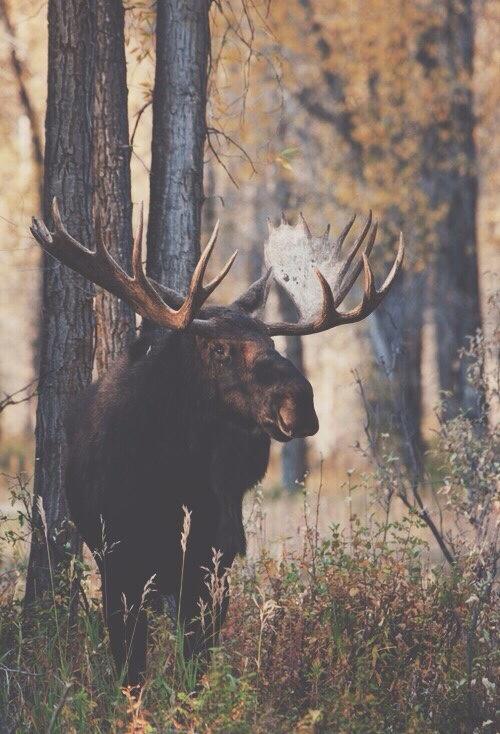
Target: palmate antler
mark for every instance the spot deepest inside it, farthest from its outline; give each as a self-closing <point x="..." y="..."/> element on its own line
<point x="137" y="290"/>
<point x="293" y="253"/>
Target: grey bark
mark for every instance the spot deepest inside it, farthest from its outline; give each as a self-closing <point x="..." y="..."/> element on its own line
<point x="451" y="180"/>
<point x="115" y="320"/>
<point x="179" y="132"/>
<point x="67" y="323"/>
<point x="209" y="211"/>
<point x="396" y="336"/>
<point x="294" y="453"/>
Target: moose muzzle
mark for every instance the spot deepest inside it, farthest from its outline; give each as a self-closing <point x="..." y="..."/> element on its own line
<point x="296" y="416"/>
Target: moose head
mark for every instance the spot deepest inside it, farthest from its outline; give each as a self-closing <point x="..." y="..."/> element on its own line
<point x="255" y="385"/>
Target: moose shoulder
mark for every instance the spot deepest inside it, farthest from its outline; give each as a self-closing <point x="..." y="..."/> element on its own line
<point x="187" y="422"/>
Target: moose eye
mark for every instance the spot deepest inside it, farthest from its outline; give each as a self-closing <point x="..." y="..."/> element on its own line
<point x="219" y="351"/>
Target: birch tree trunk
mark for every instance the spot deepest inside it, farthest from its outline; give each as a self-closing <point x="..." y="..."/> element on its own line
<point x="293" y="453"/>
<point x="66" y="321"/>
<point x="115" y="320"/>
<point x="179" y="132"/>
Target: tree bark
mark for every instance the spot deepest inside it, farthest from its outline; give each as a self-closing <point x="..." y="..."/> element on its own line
<point x="293" y="453"/>
<point x="67" y="322"/>
<point x="115" y="320"/>
<point x="396" y="336"/>
<point x="452" y="182"/>
<point x="179" y="132"/>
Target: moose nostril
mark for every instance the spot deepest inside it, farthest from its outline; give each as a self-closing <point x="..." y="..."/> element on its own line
<point x="285" y="421"/>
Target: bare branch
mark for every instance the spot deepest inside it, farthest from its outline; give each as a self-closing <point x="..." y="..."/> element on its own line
<point x="216" y="132"/>
<point x="417" y="505"/>
<point x="13" y="398"/>
<point x="138" y="116"/>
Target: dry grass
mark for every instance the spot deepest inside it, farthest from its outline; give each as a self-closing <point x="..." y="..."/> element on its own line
<point x="355" y="631"/>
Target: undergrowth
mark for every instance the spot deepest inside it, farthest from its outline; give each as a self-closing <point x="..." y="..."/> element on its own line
<point x="351" y="634"/>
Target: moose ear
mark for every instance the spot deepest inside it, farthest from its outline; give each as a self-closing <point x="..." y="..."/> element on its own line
<point x="254" y="299"/>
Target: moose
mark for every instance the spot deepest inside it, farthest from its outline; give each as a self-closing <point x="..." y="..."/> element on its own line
<point x="186" y="420"/>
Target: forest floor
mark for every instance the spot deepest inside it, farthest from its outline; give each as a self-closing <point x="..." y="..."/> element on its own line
<point x="347" y="630"/>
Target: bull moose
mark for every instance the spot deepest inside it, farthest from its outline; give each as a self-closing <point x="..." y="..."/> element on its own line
<point x="187" y="420"/>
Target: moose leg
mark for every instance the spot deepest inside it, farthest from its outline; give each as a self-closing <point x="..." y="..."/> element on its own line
<point x="136" y="641"/>
<point x="126" y="620"/>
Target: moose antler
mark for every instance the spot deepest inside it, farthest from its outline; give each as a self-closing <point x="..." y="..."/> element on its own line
<point x="100" y="268"/>
<point x="295" y="255"/>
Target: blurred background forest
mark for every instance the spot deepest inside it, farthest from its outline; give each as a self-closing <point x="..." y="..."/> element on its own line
<point x="329" y="109"/>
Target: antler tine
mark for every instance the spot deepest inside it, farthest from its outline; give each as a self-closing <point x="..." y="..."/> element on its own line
<point x="198" y="293"/>
<point x="100" y="268"/>
<point x="329" y="316"/>
<point x="328" y="304"/>
<point x="138" y="274"/>
<point x="396" y="267"/>
<point x="305" y="226"/>
<point x="337" y="245"/>
<point x="320" y="323"/>
<point x="61" y="229"/>
<point x="137" y="269"/>
<point x="372" y="297"/>
<point x="346" y="285"/>
<point x="357" y="244"/>
<point x="210" y="287"/>
<point x="369" y="290"/>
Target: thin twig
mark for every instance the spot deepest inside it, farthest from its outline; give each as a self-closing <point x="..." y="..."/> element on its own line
<point x="215" y="131"/>
<point x="13" y="400"/>
<point x="59" y="706"/>
<point x="138" y="118"/>
<point x="418" y="505"/>
<point x="219" y="160"/>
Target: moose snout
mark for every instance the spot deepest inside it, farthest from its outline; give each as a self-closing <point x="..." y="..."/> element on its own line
<point x="297" y="417"/>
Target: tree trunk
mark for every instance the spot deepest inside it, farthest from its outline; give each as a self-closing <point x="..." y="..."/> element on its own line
<point x="396" y="336"/>
<point x="179" y="131"/>
<point x="115" y="320"/>
<point x="67" y="323"/>
<point x="454" y="188"/>
<point x="294" y="453"/>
